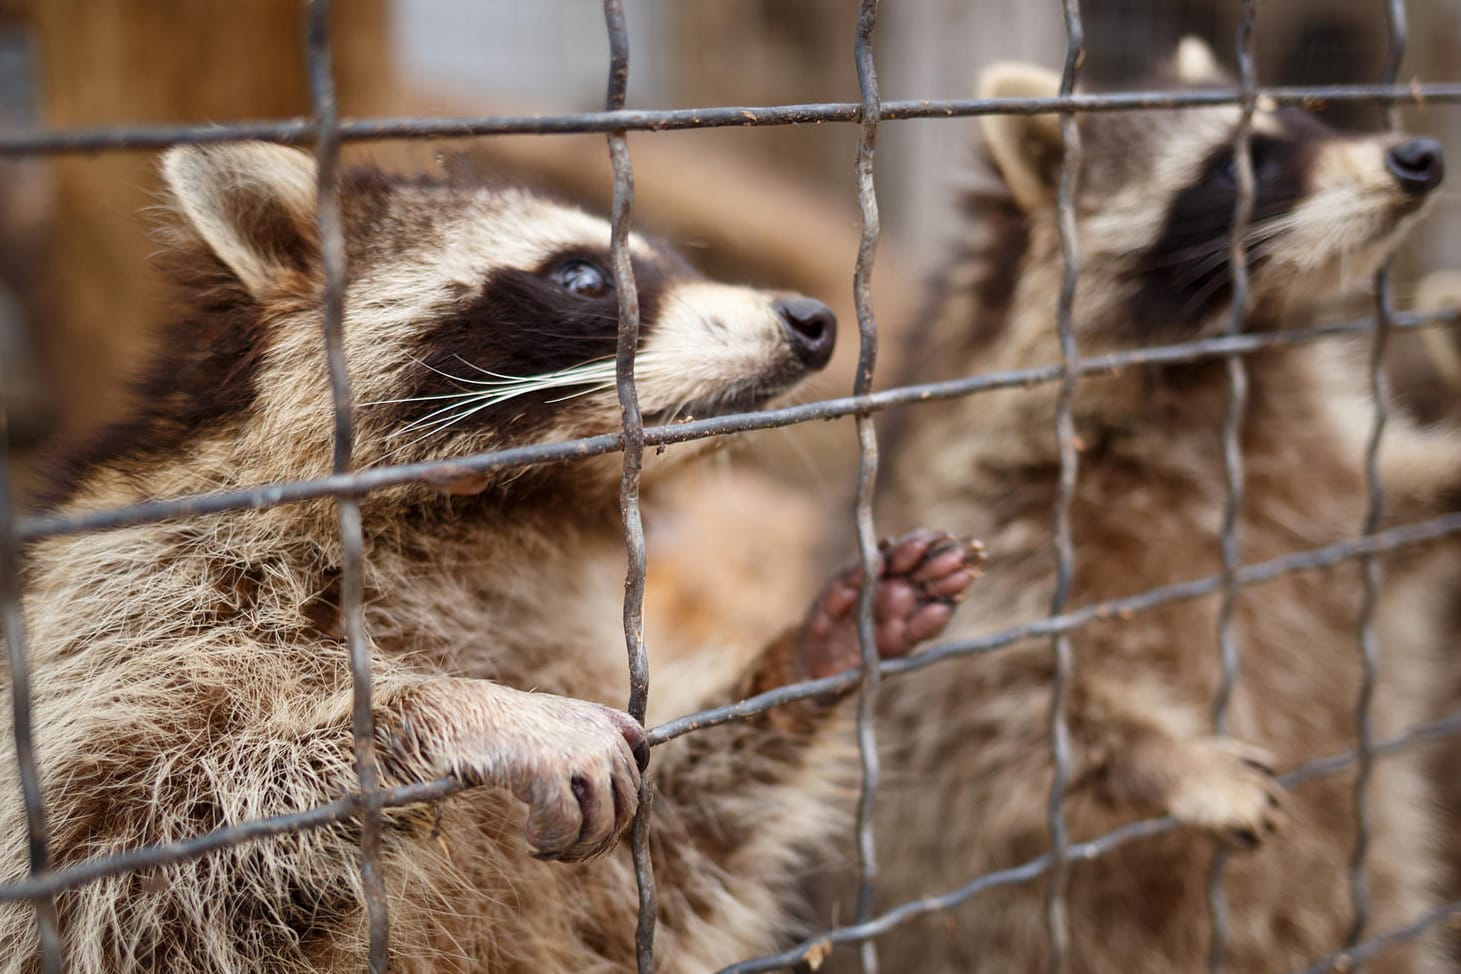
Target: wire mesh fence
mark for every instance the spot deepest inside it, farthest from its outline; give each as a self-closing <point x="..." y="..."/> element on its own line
<point x="325" y="132"/>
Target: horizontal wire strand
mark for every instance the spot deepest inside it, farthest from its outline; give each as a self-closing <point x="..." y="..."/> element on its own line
<point x="300" y="131"/>
<point x="436" y="472"/>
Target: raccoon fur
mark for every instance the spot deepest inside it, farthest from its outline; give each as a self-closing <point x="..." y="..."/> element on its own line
<point x="968" y="766"/>
<point x="192" y="674"/>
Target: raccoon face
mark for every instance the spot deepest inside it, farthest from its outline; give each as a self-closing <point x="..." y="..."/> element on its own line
<point x="1157" y="192"/>
<point x="476" y="317"/>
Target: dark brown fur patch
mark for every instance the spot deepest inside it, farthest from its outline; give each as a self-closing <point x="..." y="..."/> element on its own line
<point x="201" y="379"/>
<point x="996" y="286"/>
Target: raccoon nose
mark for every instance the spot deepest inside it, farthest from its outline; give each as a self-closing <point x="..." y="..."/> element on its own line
<point x="811" y="327"/>
<point x="1417" y="164"/>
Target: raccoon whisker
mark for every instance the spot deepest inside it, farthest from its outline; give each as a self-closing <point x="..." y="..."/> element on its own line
<point x="395" y="454"/>
<point x="1219" y="233"/>
<point x="1198" y="251"/>
<point x="445" y="375"/>
<point x="389" y="402"/>
<point x="1272" y="227"/>
<point x="596" y="371"/>
<point x="545" y="382"/>
<point x="499" y="381"/>
<point x="597" y="380"/>
<point x="596" y="376"/>
<point x="601" y="387"/>
<point x="454" y="412"/>
<point x="439" y="427"/>
<point x="592" y="363"/>
<point x="1201" y="269"/>
<point x="590" y="383"/>
<point x="427" y="419"/>
<point x="458" y="411"/>
<point x="452" y="420"/>
<point x="1204" y="256"/>
<point x="1201" y="295"/>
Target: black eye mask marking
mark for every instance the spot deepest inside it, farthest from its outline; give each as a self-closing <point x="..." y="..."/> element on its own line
<point x="521" y="324"/>
<point x="1185" y="277"/>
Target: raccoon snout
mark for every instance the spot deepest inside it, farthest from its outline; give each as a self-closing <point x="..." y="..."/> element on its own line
<point x="1418" y="165"/>
<point x="811" y="329"/>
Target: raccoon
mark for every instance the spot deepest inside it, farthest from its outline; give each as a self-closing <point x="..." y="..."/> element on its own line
<point x="968" y="765"/>
<point x="192" y="674"/>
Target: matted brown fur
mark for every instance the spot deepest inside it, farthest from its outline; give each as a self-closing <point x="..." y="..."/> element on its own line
<point x="193" y="674"/>
<point x="968" y="763"/>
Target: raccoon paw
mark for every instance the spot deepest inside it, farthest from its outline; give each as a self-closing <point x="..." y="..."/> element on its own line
<point x="922" y="576"/>
<point x="575" y="764"/>
<point x="1228" y="789"/>
<point x="583" y="793"/>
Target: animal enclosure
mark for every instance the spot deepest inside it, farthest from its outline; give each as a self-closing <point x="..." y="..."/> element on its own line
<point x="325" y="131"/>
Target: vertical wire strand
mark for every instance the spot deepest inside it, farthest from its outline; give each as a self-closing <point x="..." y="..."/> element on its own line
<point x="1057" y="922"/>
<point x="867" y="472"/>
<point x="633" y="431"/>
<point x="53" y="958"/>
<point x="352" y="542"/>
<point x="1368" y="640"/>
<point x="1232" y="451"/>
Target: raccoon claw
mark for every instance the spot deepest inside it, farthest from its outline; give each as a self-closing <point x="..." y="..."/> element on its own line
<point x="923" y="575"/>
<point x="1228" y="789"/>
<point x="575" y="764"/>
<point x="583" y="797"/>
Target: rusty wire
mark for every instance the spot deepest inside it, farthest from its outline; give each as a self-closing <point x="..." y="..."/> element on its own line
<point x="1367" y="640"/>
<point x="867" y="472"/>
<point x="299" y="131"/>
<point x="632" y="447"/>
<point x="1057" y="924"/>
<point x="347" y="509"/>
<point x="326" y="132"/>
<point x="1232" y="451"/>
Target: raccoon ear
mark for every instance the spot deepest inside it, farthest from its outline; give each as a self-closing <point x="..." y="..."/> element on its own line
<point x="1026" y="148"/>
<point x="1196" y="64"/>
<point x="253" y="205"/>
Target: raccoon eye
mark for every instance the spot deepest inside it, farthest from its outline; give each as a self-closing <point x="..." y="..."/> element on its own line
<point x="1261" y="156"/>
<point x="581" y="277"/>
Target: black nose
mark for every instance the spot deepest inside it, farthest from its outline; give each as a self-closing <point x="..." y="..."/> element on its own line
<point x="811" y="328"/>
<point x="1417" y="165"/>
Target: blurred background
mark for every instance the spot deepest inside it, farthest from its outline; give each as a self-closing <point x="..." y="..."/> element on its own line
<point x="772" y="206"/>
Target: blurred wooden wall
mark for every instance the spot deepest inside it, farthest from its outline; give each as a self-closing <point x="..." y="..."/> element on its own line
<point x="118" y="62"/>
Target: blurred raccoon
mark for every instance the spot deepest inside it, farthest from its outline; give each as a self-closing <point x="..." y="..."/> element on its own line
<point x="969" y="765"/>
<point x="192" y="674"/>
